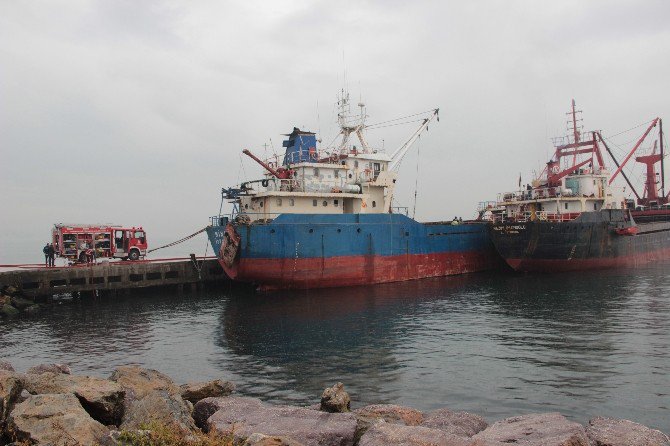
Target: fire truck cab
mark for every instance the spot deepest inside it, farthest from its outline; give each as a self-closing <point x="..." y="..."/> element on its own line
<point x="130" y="243"/>
<point x="82" y="243"/>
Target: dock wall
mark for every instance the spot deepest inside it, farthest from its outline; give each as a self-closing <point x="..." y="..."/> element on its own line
<point x="113" y="276"/>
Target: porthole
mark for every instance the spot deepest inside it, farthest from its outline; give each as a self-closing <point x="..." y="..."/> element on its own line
<point x="311" y="230"/>
<point x="358" y="230"/>
<point x="272" y="231"/>
<point x="339" y="230"/>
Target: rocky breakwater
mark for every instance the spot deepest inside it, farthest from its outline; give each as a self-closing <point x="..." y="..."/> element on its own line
<point x="13" y="303"/>
<point x="47" y="405"/>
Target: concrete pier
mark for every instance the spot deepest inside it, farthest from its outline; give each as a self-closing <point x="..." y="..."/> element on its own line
<point x="114" y="276"/>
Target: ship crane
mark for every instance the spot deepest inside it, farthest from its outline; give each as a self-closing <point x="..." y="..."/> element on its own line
<point x="280" y="173"/>
<point x="399" y="154"/>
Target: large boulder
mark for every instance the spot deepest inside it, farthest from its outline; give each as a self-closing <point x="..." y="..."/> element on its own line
<point x="22" y="303"/>
<point x="243" y="417"/>
<point x="392" y="413"/>
<point x="101" y="398"/>
<point x="545" y="429"/>
<point x="195" y="392"/>
<point x="49" y="368"/>
<point x="463" y="424"/>
<point x="207" y="407"/>
<point x="10" y="390"/>
<point x="614" y="432"/>
<point x="7" y="310"/>
<point x="55" y="419"/>
<point x="151" y="396"/>
<point x="265" y="440"/>
<point x="335" y="399"/>
<point x="385" y="434"/>
<point x="10" y="290"/>
<point x="4" y="365"/>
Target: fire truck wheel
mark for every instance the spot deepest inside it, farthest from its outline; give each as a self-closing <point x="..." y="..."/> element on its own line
<point x="134" y="255"/>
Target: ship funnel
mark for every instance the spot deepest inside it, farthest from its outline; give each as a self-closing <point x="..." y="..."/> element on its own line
<point x="300" y="147"/>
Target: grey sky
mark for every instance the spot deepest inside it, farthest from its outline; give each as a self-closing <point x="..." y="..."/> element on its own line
<point x="136" y="112"/>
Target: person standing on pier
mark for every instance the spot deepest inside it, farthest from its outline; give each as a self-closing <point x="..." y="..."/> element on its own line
<point x="45" y="250"/>
<point x="52" y="255"/>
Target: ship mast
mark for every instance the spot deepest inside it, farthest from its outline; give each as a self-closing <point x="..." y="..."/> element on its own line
<point x="575" y="129"/>
<point x="344" y="119"/>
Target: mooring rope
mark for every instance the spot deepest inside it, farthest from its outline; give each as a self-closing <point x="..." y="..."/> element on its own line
<point x="179" y="241"/>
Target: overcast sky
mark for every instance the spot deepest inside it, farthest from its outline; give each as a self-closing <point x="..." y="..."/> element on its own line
<point x="136" y="112"/>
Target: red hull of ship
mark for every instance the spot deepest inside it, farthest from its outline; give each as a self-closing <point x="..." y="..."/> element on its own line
<point x="554" y="265"/>
<point x="356" y="270"/>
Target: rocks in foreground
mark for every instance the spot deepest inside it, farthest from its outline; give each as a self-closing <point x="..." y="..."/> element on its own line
<point x="10" y="390"/>
<point x="545" y="429"/>
<point x="101" y="398"/>
<point x="613" y="432"/>
<point x="51" y="406"/>
<point x="56" y="419"/>
<point x="151" y="395"/>
<point x="4" y="365"/>
<point x="384" y="434"/>
<point x="462" y="424"/>
<point x="391" y="413"/>
<point x="195" y="392"/>
<point x="335" y="399"/>
<point x="243" y="417"/>
<point x="49" y="368"/>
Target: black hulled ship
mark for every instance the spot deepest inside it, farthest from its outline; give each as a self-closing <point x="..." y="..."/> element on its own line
<point x="571" y="217"/>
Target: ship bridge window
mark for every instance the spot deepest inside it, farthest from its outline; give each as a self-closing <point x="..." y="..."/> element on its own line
<point x="595" y="206"/>
<point x="374" y="204"/>
<point x="325" y="203"/>
<point x="336" y="203"/>
<point x="316" y="172"/>
<point x="314" y="203"/>
<point x="291" y="202"/>
<point x="566" y="205"/>
<point x="261" y="204"/>
<point x="336" y="174"/>
<point x="278" y="201"/>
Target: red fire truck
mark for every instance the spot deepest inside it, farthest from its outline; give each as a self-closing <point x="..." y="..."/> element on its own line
<point x="77" y="241"/>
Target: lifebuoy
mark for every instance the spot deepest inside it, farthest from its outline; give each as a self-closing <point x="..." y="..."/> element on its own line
<point x="265" y="183"/>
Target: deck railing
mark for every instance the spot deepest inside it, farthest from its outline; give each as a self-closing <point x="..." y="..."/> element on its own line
<point x="522" y="217"/>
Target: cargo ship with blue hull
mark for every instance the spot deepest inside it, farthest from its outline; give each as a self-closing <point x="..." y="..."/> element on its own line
<point x="324" y="218"/>
<point x="572" y="218"/>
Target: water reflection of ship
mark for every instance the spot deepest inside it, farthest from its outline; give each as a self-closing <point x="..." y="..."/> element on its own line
<point x="287" y="347"/>
<point x="307" y="340"/>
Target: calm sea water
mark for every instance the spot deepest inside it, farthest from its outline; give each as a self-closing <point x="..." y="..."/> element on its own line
<point x="495" y="344"/>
